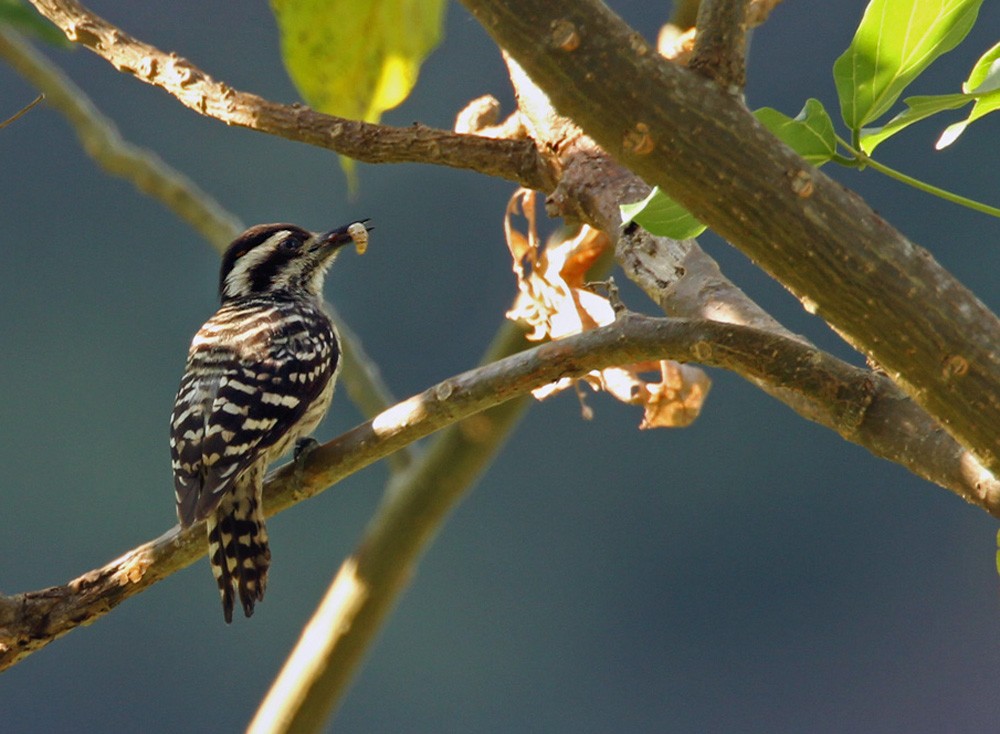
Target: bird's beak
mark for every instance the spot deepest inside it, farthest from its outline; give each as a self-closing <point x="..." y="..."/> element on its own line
<point x="329" y="242"/>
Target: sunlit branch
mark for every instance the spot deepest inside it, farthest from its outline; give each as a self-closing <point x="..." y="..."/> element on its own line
<point x="31" y="620"/>
<point x="515" y="160"/>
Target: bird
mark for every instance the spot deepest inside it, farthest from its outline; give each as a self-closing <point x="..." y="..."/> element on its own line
<point x="259" y="378"/>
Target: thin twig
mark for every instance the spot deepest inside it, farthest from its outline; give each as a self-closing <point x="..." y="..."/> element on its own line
<point x="23" y="111"/>
<point x="515" y="160"/>
<point x="101" y="140"/>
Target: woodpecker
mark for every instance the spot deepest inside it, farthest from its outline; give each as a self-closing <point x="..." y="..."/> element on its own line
<point x="260" y="376"/>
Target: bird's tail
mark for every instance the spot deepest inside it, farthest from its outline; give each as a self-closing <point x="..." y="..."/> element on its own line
<point x="238" y="550"/>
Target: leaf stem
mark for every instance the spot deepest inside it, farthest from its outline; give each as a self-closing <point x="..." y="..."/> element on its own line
<point x="865" y="160"/>
<point x="847" y="161"/>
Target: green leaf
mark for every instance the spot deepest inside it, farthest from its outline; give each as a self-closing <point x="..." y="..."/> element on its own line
<point x="356" y="58"/>
<point x="20" y="15"/>
<point x="918" y="108"/>
<point x="660" y="215"/>
<point x="895" y="42"/>
<point x="810" y="133"/>
<point x="984" y="80"/>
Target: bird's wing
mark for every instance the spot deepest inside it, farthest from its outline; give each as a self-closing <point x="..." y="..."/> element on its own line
<point x="230" y="412"/>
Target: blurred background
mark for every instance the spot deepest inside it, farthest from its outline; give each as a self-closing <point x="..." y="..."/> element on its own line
<point x="752" y="573"/>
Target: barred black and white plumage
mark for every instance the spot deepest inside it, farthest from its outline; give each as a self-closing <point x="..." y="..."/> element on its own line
<point x="260" y="375"/>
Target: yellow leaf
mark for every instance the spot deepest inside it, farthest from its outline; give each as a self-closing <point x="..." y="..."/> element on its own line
<point x="356" y="58"/>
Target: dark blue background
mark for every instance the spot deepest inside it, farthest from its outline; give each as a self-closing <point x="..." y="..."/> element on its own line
<point x="753" y="573"/>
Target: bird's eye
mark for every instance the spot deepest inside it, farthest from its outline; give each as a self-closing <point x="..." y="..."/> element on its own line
<point x="291" y="243"/>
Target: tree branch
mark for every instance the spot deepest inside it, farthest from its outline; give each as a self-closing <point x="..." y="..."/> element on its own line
<point x="686" y="282"/>
<point x="416" y="504"/>
<point x="31" y="620"/>
<point x="514" y="160"/>
<point x="720" y="47"/>
<point x="363" y="381"/>
<point x="704" y="149"/>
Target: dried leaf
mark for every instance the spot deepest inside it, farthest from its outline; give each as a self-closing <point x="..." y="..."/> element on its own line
<point x="676" y="401"/>
<point x="553" y="303"/>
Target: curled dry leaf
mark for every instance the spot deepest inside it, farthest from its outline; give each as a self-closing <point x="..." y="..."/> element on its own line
<point x="553" y="302"/>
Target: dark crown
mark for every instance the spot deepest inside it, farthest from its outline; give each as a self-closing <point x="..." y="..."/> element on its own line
<point x="276" y="258"/>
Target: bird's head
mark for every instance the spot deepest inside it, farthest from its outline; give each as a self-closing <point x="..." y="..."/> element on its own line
<point x="276" y="258"/>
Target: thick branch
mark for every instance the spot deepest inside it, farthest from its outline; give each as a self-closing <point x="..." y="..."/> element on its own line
<point x="678" y="130"/>
<point x="31" y="620"/>
<point x="686" y="282"/>
<point x="721" y="44"/>
<point x="515" y="160"/>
